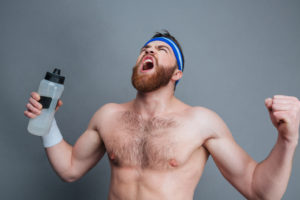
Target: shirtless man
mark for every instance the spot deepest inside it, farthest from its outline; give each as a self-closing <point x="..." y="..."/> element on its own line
<point x="158" y="146"/>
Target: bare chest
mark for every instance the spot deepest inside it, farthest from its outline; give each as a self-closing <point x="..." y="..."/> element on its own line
<point x="154" y="143"/>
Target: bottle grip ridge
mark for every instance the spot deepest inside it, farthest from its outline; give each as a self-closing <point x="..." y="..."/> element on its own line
<point x="45" y="101"/>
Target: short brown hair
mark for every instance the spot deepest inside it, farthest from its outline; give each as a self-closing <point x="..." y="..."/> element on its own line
<point x="167" y="34"/>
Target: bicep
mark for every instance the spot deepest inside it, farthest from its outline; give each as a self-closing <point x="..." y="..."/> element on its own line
<point x="87" y="151"/>
<point x="233" y="162"/>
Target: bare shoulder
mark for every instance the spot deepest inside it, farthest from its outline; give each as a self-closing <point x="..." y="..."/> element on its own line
<point x="197" y="113"/>
<point x="211" y="121"/>
<point x="202" y="113"/>
<point x="108" y="109"/>
<point x="105" y="114"/>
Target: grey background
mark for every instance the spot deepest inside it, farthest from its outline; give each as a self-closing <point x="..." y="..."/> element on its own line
<point x="237" y="54"/>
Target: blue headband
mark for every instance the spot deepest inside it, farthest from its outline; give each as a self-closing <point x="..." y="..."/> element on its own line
<point x="174" y="47"/>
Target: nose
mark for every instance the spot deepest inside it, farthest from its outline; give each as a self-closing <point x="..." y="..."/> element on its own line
<point x="149" y="51"/>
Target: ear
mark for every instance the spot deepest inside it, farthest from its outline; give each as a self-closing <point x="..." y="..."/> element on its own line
<point x="177" y="75"/>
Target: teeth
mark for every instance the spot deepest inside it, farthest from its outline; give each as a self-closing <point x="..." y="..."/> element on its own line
<point x="148" y="64"/>
<point x="148" y="60"/>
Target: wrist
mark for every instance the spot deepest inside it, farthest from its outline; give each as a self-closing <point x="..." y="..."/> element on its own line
<point x="288" y="141"/>
<point x="53" y="137"/>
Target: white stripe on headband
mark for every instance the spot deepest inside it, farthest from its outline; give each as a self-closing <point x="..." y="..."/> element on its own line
<point x="174" y="47"/>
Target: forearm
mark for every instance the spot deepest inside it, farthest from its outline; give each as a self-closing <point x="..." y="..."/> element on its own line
<point x="270" y="178"/>
<point x="60" y="158"/>
<point x="70" y="163"/>
<point x="59" y="152"/>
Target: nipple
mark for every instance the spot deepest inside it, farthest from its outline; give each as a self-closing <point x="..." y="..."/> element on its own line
<point x="173" y="162"/>
<point x="112" y="156"/>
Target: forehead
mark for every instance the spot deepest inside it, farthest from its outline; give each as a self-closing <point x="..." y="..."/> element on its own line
<point x="159" y="43"/>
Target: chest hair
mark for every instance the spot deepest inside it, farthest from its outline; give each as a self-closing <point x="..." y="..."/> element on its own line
<point x="143" y="143"/>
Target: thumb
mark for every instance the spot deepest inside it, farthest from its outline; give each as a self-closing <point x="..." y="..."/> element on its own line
<point x="59" y="104"/>
<point x="268" y="104"/>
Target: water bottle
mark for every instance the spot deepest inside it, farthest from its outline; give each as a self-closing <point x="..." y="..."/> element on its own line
<point x="50" y="90"/>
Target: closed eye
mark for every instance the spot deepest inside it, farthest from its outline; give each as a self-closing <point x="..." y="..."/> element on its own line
<point x="163" y="49"/>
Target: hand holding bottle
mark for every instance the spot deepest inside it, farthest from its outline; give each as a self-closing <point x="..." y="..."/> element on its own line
<point x="43" y="104"/>
<point x="34" y="108"/>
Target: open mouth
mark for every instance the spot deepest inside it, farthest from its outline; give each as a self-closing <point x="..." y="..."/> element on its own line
<point x="148" y="64"/>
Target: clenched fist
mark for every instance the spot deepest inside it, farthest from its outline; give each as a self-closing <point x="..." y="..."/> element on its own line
<point x="285" y="115"/>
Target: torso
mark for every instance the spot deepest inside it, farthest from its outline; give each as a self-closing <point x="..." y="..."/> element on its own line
<point x="157" y="158"/>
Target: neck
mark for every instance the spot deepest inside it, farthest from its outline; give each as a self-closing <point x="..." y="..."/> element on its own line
<point x="153" y="103"/>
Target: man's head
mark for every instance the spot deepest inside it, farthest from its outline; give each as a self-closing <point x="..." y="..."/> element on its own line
<point x="160" y="61"/>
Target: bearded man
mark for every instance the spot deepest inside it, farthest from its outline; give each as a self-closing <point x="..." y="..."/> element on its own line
<point x="158" y="146"/>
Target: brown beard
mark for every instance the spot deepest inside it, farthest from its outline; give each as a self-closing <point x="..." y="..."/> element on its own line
<point x="150" y="82"/>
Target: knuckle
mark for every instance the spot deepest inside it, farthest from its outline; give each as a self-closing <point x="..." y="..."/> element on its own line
<point x="36" y="105"/>
<point x="36" y="111"/>
<point x="31" y="100"/>
<point x="295" y="108"/>
<point x="33" y="95"/>
<point x="295" y="98"/>
<point x="276" y="114"/>
<point x="293" y="116"/>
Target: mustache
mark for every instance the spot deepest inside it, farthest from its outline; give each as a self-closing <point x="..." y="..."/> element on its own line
<point x="150" y="82"/>
<point x="154" y="58"/>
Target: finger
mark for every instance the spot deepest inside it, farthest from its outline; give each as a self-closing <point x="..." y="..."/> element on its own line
<point x="59" y="104"/>
<point x="33" y="109"/>
<point x="268" y="103"/>
<point x="281" y="116"/>
<point x="35" y="95"/>
<point x="29" y="114"/>
<point x="285" y="97"/>
<point x="280" y="107"/>
<point x="35" y="103"/>
<point x="284" y="101"/>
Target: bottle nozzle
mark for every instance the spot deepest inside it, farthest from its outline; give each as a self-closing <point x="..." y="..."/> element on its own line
<point x="56" y="71"/>
<point x="55" y="76"/>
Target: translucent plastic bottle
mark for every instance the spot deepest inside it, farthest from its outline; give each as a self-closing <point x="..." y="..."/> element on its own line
<point x="50" y="90"/>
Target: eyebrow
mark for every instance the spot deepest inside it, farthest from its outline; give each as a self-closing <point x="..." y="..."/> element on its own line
<point x="163" y="46"/>
<point x="158" y="47"/>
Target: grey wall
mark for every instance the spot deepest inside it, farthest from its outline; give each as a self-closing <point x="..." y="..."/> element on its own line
<point x="237" y="54"/>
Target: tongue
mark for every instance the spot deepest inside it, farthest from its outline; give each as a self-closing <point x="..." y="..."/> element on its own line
<point x="147" y="66"/>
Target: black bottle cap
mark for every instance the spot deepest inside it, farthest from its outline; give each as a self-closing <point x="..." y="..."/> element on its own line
<point x="55" y="77"/>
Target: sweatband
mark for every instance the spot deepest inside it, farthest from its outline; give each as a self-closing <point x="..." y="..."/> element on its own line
<point x="53" y="137"/>
<point x="174" y="47"/>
